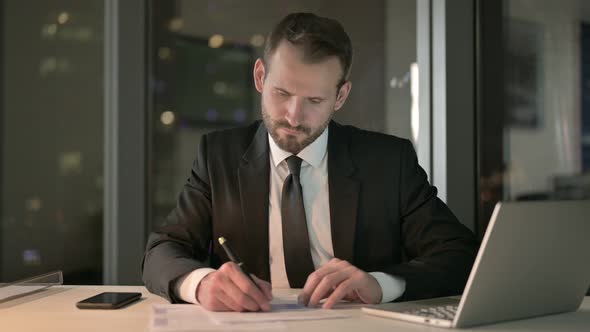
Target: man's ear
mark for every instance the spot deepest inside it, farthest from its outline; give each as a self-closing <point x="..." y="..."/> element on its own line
<point x="259" y="73"/>
<point x="342" y="95"/>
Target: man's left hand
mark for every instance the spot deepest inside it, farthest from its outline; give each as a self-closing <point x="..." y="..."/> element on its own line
<point x="339" y="280"/>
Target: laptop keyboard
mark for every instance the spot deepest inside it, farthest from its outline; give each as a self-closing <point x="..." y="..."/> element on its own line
<point x="442" y="312"/>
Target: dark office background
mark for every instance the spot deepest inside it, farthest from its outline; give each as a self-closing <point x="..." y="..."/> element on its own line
<point x="532" y="109"/>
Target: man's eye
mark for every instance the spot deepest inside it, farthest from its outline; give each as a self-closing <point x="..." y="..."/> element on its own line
<point x="282" y="93"/>
<point x="315" y="101"/>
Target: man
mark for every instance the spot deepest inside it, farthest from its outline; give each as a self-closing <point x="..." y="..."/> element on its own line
<point x="307" y="203"/>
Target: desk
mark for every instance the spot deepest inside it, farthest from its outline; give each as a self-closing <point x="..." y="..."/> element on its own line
<point x="54" y="310"/>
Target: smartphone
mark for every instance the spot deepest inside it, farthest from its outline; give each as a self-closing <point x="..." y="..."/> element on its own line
<point x="108" y="300"/>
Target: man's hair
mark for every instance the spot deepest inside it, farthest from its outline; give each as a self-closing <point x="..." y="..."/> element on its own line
<point x="318" y="37"/>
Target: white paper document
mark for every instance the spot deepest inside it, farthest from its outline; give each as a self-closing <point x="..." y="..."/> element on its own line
<point x="190" y="317"/>
<point x="278" y="313"/>
<point x="185" y="317"/>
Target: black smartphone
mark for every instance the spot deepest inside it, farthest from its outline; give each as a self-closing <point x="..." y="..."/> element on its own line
<point x="108" y="300"/>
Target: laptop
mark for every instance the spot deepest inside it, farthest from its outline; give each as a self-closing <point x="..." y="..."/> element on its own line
<point x="534" y="260"/>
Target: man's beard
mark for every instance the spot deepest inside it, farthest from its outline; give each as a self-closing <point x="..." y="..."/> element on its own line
<point x="290" y="143"/>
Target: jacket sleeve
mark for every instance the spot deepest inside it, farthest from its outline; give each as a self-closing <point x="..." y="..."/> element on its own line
<point x="439" y="249"/>
<point x="182" y="244"/>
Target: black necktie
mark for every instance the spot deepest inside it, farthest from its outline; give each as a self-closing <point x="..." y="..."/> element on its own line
<point x="298" y="261"/>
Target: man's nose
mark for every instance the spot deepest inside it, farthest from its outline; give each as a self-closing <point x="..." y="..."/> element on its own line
<point x="294" y="114"/>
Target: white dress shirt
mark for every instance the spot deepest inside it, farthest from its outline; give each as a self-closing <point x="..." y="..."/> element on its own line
<point x="316" y="200"/>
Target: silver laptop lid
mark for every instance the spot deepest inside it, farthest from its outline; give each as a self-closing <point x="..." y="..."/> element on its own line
<point x="534" y="260"/>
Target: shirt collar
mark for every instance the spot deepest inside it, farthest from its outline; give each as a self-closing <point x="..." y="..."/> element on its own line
<point x="311" y="154"/>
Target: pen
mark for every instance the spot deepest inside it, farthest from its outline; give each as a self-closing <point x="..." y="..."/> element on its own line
<point x="234" y="258"/>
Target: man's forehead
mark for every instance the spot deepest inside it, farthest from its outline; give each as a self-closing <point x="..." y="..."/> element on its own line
<point x="302" y="84"/>
<point x="287" y="66"/>
<point x="286" y="51"/>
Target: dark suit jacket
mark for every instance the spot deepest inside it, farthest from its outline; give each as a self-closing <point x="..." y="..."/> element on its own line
<point x="384" y="214"/>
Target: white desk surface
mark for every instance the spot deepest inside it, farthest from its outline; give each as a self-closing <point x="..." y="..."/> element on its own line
<point x="54" y="310"/>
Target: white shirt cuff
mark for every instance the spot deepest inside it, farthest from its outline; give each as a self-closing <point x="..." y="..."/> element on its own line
<point x="391" y="287"/>
<point x="186" y="286"/>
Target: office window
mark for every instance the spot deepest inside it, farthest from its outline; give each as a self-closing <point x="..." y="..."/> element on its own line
<point x="537" y="146"/>
<point x="202" y="54"/>
<point x="51" y="134"/>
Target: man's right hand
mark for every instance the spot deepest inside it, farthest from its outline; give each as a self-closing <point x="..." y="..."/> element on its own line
<point x="228" y="289"/>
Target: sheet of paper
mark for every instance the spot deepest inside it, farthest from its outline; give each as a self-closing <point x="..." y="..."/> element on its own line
<point x="185" y="317"/>
<point x="291" y="296"/>
<point x="189" y="317"/>
<point x="278" y="312"/>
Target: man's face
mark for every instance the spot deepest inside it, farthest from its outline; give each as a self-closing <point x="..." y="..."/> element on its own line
<point x="298" y="99"/>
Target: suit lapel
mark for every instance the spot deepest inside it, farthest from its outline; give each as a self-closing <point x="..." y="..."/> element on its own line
<point x="344" y="192"/>
<point x="253" y="176"/>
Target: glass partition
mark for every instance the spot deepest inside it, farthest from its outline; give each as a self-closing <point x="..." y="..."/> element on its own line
<point x="537" y="145"/>
<point x="51" y="139"/>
